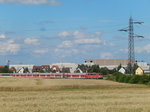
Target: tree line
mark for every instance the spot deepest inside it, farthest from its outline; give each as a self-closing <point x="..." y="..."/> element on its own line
<point x="105" y="70"/>
<point x="133" y="79"/>
<point x="5" y="69"/>
<point x="95" y="69"/>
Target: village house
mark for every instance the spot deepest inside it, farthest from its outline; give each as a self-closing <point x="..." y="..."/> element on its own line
<point x="139" y="71"/>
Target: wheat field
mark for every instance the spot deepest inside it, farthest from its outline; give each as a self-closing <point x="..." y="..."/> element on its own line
<point x="71" y="95"/>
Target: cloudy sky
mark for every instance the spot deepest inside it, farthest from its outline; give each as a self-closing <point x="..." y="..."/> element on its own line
<point x="50" y="31"/>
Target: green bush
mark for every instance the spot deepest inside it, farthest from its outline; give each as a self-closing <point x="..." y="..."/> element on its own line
<point x="133" y="79"/>
<point x="127" y="78"/>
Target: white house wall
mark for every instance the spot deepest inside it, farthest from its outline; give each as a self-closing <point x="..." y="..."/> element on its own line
<point x="19" y="68"/>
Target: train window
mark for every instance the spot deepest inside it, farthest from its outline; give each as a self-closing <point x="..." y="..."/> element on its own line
<point x="57" y="75"/>
<point x="91" y="74"/>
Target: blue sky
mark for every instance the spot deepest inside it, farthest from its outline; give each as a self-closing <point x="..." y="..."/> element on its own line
<point x="50" y="31"/>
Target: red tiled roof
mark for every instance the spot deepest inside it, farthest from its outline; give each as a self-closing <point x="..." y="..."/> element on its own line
<point x="55" y="66"/>
<point x="1" y="66"/>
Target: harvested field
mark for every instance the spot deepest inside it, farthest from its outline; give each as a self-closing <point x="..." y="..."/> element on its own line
<point x="32" y="84"/>
<point x="60" y="95"/>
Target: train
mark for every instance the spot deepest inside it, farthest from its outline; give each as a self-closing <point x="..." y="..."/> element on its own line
<point x="56" y="75"/>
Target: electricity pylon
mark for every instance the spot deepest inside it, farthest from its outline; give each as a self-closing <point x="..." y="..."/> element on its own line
<point x="131" y="35"/>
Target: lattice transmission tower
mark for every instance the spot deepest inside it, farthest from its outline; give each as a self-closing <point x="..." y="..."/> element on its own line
<point x="131" y="36"/>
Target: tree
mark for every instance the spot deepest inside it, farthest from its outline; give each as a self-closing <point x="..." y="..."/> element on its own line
<point x="135" y="66"/>
<point x="5" y="69"/>
<point x="94" y="69"/>
<point x="54" y="71"/>
<point x="104" y="71"/>
<point x="113" y="71"/>
<point x="130" y="68"/>
<point x="83" y="67"/>
<point x="119" y="67"/>
<point x="26" y="70"/>
<point x="41" y="71"/>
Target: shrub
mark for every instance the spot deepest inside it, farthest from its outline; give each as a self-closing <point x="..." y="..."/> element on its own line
<point x="133" y="79"/>
<point x="127" y="78"/>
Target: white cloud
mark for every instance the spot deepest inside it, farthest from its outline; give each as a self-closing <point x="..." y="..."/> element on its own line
<point x="78" y="34"/>
<point x="98" y="33"/>
<point x="66" y="50"/>
<point x="106" y="55"/>
<point x="41" y="51"/>
<point x="106" y="43"/>
<point x="142" y="49"/>
<point x="81" y="42"/>
<point x="9" y="46"/>
<point x="32" y="41"/>
<point x="64" y="34"/>
<point x="79" y="37"/>
<point x="2" y="36"/>
<point x="73" y="34"/>
<point x="66" y="44"/>
<point x="63" y="53"/>
<point x="32" y="2"/>
<point x="88" y="41"/>
<point x="54" y="2"/>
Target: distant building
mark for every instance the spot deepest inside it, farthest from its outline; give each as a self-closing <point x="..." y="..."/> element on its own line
<point x="36" y="69"/>
<point x="109" y="63"/>
<point x="78" y="70"/>
<point x="65" y="70"/>
<point x="69" y="66"/>
<point x="122" y="70"/>
<point x="55" y="68"/>
<point x="21" y="68"/>
<point x="139" y="71"/>
<point x="144" y="65"/>
<point x="1" y="66"/>
<point x="12" y="69"/>
<point x="44" y="68"/>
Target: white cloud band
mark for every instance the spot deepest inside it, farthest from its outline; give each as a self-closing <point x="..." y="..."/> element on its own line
<point x="9" y="46"/>
<point x="31" y="41"/>
<point x="31" y="2"/>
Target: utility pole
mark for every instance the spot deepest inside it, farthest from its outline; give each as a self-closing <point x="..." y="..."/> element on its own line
<point x="8" y="63"/>
<point x="131" y="35"/>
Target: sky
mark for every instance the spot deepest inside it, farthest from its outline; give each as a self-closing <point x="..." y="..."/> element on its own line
<point x="52" y="31"/>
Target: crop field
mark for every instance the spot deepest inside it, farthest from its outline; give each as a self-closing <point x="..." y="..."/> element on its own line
<point x="71" y="95"/>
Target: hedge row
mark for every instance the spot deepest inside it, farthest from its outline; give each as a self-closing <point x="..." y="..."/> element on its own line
<point x="133" y="79"/>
